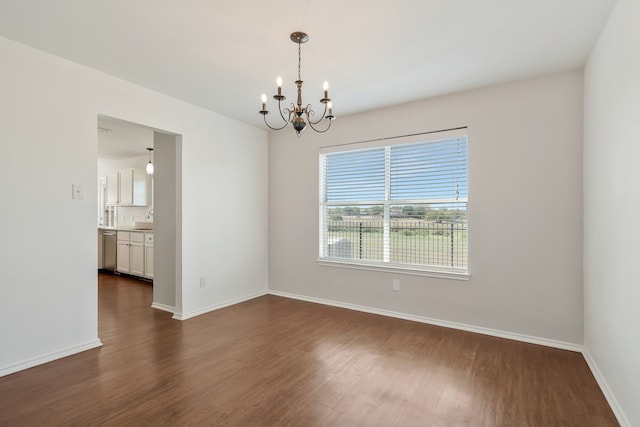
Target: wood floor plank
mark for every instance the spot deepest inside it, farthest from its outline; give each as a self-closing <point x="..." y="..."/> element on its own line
<point x="273" y="361"/>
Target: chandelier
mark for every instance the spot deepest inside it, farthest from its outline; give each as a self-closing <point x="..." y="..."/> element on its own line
<point x="296" y="114"/>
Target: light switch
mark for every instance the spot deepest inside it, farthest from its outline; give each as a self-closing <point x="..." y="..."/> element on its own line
<point x="77" y="191"/>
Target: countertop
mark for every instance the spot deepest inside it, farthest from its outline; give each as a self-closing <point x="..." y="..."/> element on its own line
<point x="137" y="230"/>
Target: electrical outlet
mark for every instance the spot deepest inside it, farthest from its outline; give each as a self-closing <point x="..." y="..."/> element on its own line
<point x="396" y="285"/>
<point x="203" y="282"/>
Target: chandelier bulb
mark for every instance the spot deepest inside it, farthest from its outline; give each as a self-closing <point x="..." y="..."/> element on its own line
<point x="263" y="98"/>
<point x="279" y="82"/>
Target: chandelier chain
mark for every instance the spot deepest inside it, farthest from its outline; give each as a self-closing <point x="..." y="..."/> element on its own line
<point x="299" y="59"/>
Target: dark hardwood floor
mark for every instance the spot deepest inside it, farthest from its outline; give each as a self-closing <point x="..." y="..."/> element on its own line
<point x="274" y="361"/>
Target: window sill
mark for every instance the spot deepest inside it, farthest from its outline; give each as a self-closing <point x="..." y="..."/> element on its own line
<point x="393" y="268"/>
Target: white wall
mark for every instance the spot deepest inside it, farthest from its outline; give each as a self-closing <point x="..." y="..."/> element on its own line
<point x="611" y="207"/>
<point x="166" y="281"/>
<point x="48" y="284"/>
<point x="525" y="211"/>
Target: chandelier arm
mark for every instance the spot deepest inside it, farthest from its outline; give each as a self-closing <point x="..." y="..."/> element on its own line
<point x="271" y="127"/>
<point x="313" y="114"/>
<point x="319" y="131"/>
<point x="291" y="112"/>
<point x="283" y="112"/>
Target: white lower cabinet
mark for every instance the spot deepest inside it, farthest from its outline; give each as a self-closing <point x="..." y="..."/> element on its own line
<point x="133" y="255"/>
<point x="148" y="255"/>
<point x="136" y="254"/>
<point x="123" y="256"/>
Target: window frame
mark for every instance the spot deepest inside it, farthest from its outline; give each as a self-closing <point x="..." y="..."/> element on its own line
<point x="386" y="265"/>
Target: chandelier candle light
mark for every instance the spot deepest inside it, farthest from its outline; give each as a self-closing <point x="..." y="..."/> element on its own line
<point x="296" y="114"/>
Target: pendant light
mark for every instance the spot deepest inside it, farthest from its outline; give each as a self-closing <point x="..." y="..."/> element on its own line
<point x="150" y="165"/>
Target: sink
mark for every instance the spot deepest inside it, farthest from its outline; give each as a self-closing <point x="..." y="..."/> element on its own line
<point x="143" y="225"/>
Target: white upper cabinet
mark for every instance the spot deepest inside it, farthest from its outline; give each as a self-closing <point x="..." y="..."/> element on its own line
<point x="113" y="189"/>
<point x="128" y="187"/>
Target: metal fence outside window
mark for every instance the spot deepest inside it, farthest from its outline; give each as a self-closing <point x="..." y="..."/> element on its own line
<point x="416" y="242"/>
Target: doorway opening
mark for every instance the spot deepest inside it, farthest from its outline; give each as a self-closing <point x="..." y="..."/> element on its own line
<point x="139" y="214"/>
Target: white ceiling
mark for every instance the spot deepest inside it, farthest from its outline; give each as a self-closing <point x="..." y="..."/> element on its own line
<point x="222" y="55"/>
<point x="118" y="139"/>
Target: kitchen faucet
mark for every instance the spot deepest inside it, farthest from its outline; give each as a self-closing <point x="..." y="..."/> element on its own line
<point x="150" y="214"/>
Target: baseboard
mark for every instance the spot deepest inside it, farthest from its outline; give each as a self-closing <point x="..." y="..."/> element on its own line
<point x="163" y="307"/>
<point x="49" y="357"/>
<point x="444" y="323"/>
<point x="198" y="312"/>
<point x="606" y="390"/>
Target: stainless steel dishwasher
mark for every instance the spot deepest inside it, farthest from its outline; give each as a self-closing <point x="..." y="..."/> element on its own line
<point x="109" y="250"/>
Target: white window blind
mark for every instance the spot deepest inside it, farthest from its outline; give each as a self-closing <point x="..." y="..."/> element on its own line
<point x="397" y="204"/>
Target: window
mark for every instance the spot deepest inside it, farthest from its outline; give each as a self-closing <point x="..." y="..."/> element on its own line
<point x="400" y="205"/>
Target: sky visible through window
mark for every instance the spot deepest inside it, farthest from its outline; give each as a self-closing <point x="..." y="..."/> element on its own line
<point x="418" y="171"/>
